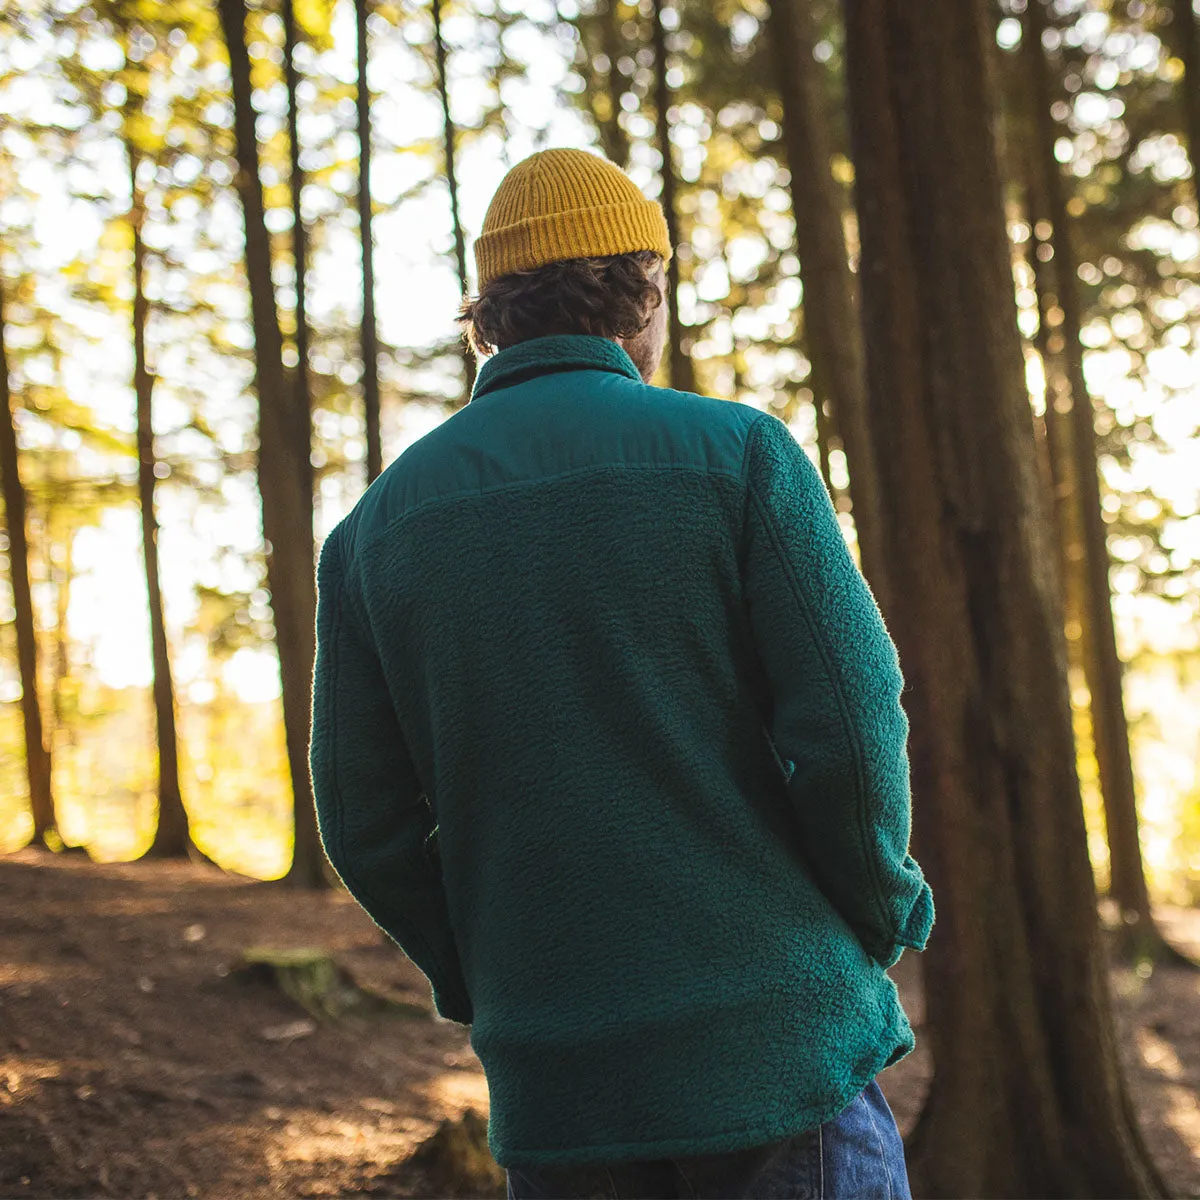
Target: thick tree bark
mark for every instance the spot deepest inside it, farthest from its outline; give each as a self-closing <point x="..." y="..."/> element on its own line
<point x="460" y="245"/>
<point x="830" y="301"/>
<point x="300" y="377"/>
<point x="1027" y="1097"/>
<point x="679" y="364"/>
<point x="369" y="335"/>
<point x="1098" y="644"/>
<point x="37" y="754"/>
<point x="284" y="442"/>
<point x="171" y="836"/>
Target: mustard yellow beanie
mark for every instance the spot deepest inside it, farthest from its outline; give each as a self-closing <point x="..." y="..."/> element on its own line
<point x="559" y="204"/>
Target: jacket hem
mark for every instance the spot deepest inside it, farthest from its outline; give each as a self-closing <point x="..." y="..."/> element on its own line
<point x="726" y="1141"/>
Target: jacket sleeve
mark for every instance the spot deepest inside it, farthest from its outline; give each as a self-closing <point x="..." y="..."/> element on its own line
<point x="375" y="822"/>
<point x="835" y="682"/>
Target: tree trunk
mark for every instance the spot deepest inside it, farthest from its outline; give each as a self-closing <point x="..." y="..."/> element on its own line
<point x="613" y="138"/>
<point x="1054" y="429"/>
<point x="1098" y="644"/>
<point x="679" y="364"/>
<point x="59" y="731"/>
<point x="460" y="245"/>
<point x="302" y="393"/>
<point x="369" y="335"/>
<point x="830" y="303"/>
<point x="37" y="755"/>
<point x="171" y="836"/>
<point x="1027" y="1097"/>
<point x="1186" y="37"/>
<point x="284" y="441"/>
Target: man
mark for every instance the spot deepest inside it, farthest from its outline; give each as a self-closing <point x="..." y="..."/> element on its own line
<point x="607" y="736"/>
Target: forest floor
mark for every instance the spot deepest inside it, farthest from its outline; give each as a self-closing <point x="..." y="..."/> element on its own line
<point x="133" y="1063"/>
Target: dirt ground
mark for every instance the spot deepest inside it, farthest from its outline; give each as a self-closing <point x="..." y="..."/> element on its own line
<point x="132" y="1063"/>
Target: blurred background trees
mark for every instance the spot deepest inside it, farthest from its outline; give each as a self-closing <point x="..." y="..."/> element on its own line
<point x="233" y="238"/>
<point x="177" y="344"/>
<point x="137" y="384"/>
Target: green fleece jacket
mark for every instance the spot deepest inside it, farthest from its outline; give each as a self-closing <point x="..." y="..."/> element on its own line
<point x="607" y="736"/>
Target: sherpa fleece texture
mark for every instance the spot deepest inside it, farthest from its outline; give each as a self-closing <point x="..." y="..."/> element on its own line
<point x="607" y="736"/>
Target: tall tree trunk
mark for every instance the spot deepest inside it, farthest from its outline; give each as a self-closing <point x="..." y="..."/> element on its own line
<point x="460" y="245"/>
<point x="61" y="665"/>
<point x="1186" y="37"/>
<point x="1054" y="435"/>
<point x="369" y="336"/>
<point x="300" y="378"/>
<point x="613" y="138"/>
<point x="37" y="755"/>
<point x="171" y="836"/>
<point x="1027" y="1097"/>
<point x="830" y="301"/>
<point x="1101" y="662"/>
<point x="679" y="363"/>
<point x="1054" y="428"/>
<point x="284" y="447"/>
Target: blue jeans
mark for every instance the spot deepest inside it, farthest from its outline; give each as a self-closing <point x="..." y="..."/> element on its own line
<point x="858" y="1155"/>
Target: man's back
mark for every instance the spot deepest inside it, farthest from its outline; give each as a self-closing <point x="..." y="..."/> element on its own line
<point x="598" y="633"/>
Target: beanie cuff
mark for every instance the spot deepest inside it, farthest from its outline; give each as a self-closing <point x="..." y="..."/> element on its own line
<point x="578" y="233"/>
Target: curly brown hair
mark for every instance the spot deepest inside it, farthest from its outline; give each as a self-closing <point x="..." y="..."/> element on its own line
<point x="611" y="296"/>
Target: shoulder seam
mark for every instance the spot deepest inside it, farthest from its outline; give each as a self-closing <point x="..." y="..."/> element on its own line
<point x="751" y="439"/>
<point x="744" y="474"/>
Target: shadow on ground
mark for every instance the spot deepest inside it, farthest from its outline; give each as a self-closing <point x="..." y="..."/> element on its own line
<point x="131" y="1063"/>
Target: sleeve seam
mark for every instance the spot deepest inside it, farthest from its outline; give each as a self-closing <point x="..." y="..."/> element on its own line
<point x="847" y="723"/>
<point x="751" y="440"/>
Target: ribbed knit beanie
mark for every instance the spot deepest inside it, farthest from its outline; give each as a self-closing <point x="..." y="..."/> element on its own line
<point x="559" y="204"/>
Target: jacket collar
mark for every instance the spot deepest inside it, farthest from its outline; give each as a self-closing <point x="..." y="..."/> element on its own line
<point x="547" y="355"/>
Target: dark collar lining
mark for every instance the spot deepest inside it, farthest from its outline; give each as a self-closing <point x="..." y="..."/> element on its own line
<point x="547" y="355"/>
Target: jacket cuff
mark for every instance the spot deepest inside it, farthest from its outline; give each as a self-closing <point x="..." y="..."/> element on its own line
<point x="915" y="931"/>
<point x="913" y="934"/>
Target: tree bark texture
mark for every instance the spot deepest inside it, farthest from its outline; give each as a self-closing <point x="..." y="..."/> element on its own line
<point x="448" y="130"/>
<point x="284" y="447"/>
<point x="1101" y="662"/>
<point x="37" y="754"/>
<point x="831" y="323"/>
<point x="679" y="363"/>
<point x="1027" y="1097"/>
<point x="171" y="835"/>
<point x="369" y="335"/>
<point x="302" y="392"/>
